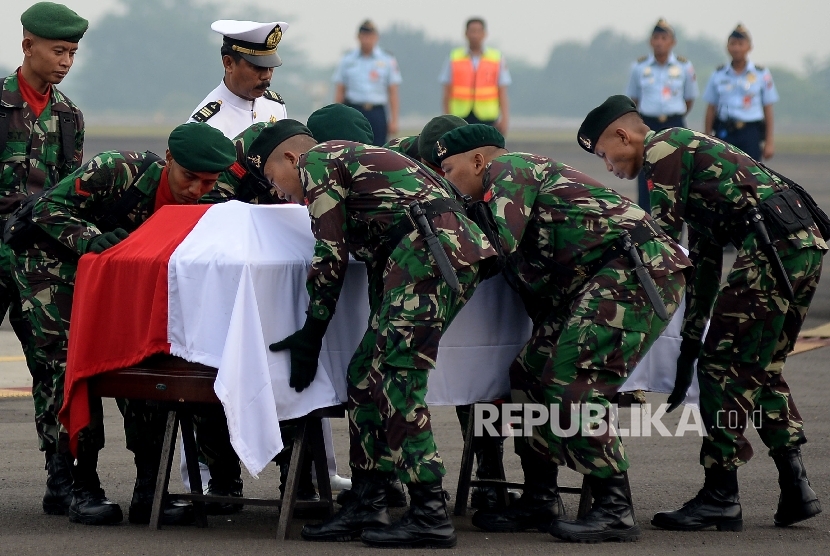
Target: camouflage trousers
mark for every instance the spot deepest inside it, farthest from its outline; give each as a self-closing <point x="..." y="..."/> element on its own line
<point x="389" y="421"/>
<point x="752" y="330"/>
<point x="582" y="354"/>
<point x="46" y="284"/>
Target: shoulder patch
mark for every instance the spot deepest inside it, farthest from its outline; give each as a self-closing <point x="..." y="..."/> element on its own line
<point x="208" y="111"/>
<point x="759" y="68"/>
<point x="682" y="59"/>
<point x="720" y="67"/>
<point x="271" y="95"/>
<point x="642" y="59"/>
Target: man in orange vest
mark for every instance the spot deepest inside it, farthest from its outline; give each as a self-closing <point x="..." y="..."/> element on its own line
<point x="475" y="81"/>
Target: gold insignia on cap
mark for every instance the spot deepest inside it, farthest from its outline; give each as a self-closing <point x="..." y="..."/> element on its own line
<point x="274" y="38"/>
<point x="585" y="141"/>
<point x="440" y="148"/>
<point x="256" y="161"/>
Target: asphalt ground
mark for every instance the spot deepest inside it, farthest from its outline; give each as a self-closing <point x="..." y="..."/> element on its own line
<point x="664" y="473"/>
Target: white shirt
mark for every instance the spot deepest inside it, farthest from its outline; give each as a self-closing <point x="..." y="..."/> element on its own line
<point x="237" y="114"/>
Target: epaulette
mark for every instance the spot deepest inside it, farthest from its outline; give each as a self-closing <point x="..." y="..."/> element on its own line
<point x="642" y="59"/>
<point x="681" y="59"/>
<point x="208" y="111"/>
<point x="271" y="95"/>
<point x="759" y="68"/>
<point x="720" y="67"/>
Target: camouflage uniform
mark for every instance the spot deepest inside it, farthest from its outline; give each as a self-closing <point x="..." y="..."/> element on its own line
<point x="236" y="183"/>
<point x="34" y="160"/>
<point x="357" y="195"/>
<point x="709" y="185"/>
<point x="591" y="325"/>
<point x="70" y="214"/>
<point x="405" y="145"/>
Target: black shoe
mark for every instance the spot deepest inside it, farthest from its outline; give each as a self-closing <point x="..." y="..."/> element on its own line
<point x="90" y="505"/>
<point x="218" y="487"/>
<point x="798" y="501"/>
<point x="426" y="524"/>
<point x="395" y="495"/>
<point x="537" y="508"/>
<point x="58" y="495"/>
<point x="716" y="505"/>
<point x="611" y="517"/>
<point x="141" y="506"/>
<point x="305" y="490"/>
<point x="489" y="453"/>
<point x="366" y="507"/>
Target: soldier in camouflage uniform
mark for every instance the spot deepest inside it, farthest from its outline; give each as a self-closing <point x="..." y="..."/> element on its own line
<point x="41" y="141"/>
<point x="754" y="317"/>
<point x="488" y="450"/>
<point x="358" y="198"/>
<point x="90" y="210"/>
<point x="335" y="121"/>
<point x="563" y="238"/>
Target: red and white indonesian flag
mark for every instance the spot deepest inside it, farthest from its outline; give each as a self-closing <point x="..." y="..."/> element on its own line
<point x="216" y="284"/>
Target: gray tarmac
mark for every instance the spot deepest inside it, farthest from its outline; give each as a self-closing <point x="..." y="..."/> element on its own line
<point x="664" y="473"/>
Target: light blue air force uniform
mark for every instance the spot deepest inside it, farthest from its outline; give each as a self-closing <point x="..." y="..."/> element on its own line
<point x="741" y="97"/>
<point x="367" y="78"/>
<point x="662" y="89"/>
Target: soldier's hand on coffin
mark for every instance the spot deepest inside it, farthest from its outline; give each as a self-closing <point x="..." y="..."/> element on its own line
<point x="106" y="240"/>
<point x="305" y="345"/>
<point x="689" y="351"/>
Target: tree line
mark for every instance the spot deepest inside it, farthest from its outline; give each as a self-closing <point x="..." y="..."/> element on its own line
<point x="144" y="65"/>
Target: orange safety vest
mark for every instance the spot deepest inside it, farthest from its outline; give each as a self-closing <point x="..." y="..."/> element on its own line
<point x="475" y="91"/>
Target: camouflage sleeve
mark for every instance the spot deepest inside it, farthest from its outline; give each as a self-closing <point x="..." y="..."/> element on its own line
<point x="221" y="192"/>
<point x="63" y="211"/>
<point x="667" y="180"/>
<point x="703" y="288"/>
<point x="323" y="180"/>
<point x="511" y="199"/>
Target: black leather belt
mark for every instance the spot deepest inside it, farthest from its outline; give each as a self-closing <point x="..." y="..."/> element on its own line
<point x="432" y="208"/>
<point x="365" y="106"/>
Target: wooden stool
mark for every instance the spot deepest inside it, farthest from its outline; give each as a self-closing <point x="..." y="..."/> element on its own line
<point x="181" y="387"/>
<point x="465" y="480"/>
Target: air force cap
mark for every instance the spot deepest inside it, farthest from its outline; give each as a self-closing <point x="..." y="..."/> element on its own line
<point x="256" y="42"/>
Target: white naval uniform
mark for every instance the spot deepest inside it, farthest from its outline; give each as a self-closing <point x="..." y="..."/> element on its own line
<point x="236" y="114"/>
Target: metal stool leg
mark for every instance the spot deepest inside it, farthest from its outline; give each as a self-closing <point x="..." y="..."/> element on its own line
<point x="289" y="497"/>
<point x="192" y="456"/>
<point x="466" y="472"/>
<point x="321" y="466"/>
<point x="165" y="463"/>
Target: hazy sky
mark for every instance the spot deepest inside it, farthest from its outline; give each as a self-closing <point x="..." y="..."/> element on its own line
<point x="784" y="33"/>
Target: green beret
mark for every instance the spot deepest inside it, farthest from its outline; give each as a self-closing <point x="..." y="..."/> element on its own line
<point x="271" y="138"/>
<point x="54" y="21"/>
<point x="433" y="131"/>
<point x="466" y="138"/>
<point x="600" y="118"/>
<point x="201" y="148"/>
<point x="340" y="122"/>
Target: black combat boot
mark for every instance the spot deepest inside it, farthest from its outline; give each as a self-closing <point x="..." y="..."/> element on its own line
<point x="366" y="507"/>
<point x="538" y="506"/>
<point x="58" y="495"/>
<point x="141" y="506"/>
<point x="426" y="524"/>
<point x="225" y="480"/>
<point x="717" y="504"/>
<point x="90" y="505"/>
<point x="305" y="490"/>
<point x="395" y="495"/>
<point x="489" y="452"/>
<point x="611" y="517"/>
<point x="797" y="501"/>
